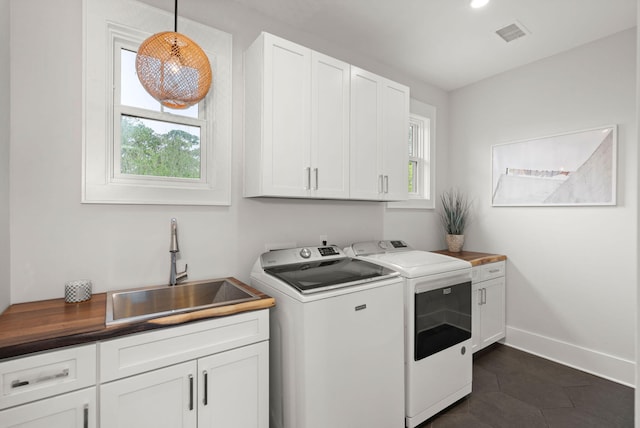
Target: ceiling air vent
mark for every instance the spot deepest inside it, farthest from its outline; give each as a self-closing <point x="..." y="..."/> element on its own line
<point x="512" y="32"/>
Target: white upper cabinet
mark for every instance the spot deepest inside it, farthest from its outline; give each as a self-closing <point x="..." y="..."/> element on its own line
<point x="366" y="135"/>
<point x="379" y="137"/>
<point x="296" y="123"/>
<point x="395" y="141"/>
<point x="316" y="127"/>
<point x="329" y="126"/>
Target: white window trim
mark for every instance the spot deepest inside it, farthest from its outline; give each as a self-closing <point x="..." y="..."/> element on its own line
<point x="106" y="24"/>
<point x="423" y="111"/>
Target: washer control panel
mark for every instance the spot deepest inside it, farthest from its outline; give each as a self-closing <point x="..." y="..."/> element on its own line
<point x="302" y="254"/>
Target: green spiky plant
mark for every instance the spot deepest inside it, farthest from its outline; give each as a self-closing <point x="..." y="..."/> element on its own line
<point x="455" y="212"/>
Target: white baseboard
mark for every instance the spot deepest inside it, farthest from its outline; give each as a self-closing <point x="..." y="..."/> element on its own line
<point x="595" y="362"/>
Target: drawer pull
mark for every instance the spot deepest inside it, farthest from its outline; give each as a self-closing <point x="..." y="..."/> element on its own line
<point x="18" y="383"/>
<point x="494" y="270"/>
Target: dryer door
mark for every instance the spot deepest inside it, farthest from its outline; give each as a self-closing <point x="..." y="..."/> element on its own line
<point x="442" y="319"/>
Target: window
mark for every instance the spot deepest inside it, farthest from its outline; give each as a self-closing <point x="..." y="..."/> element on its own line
<point x="151" y="140"/>
<point x="417" y="161"/>
<point x="421" y="154"/>
<point x="135" y="150"/>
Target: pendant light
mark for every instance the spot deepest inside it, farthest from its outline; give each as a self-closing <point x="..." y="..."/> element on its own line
<point x="173" y="69"/>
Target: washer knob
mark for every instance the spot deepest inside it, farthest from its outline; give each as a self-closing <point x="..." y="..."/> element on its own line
<point x="305" y="253"/>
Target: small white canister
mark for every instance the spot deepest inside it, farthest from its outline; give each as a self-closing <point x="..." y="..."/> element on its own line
<point x="77" y="291"/>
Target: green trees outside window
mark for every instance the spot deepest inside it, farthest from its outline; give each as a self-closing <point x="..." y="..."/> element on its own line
<point x="145" y="151"/>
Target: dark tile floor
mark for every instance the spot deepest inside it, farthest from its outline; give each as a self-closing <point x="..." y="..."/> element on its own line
<point x="514" y="389"/>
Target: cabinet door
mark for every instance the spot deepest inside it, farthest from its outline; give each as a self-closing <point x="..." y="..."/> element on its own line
<point x="72" y="410"/>
<point x="492" y="326"/>
<point x="286" y="118"/>
<point x="395" y="140"/>
<point x="234" y="388"/>
<point x="366" y="178"/>
<point x="476" y="313"/>
<point x="330" y="87"/>
<point x="160" y="398"/>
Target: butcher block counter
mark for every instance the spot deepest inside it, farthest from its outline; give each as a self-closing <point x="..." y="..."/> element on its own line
<point x="475" y="258"/>
<point x="49" y="324"/>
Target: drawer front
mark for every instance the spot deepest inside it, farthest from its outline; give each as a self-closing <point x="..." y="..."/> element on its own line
<point x="490" y="271"/>
<point x="46" y="374"/>
<point x="138" y="353"/>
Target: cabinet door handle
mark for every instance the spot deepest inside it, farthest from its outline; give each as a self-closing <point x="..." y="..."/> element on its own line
<point x="190" y="392"/>
<point x="484" y="296"/>
<point x="85" y="416"/>
<point x="308" y="187"/>
<point x="205" y="375"/>
<point x="386" y="184"/>
<point x="480" y="296"/>
<point x="380" y="184"/>
<point x="316" y="171"/>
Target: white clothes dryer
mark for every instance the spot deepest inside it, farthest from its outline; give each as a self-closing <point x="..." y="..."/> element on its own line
<point x="437" y="310"/>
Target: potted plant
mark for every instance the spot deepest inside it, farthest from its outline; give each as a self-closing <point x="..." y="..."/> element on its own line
<point x="455" y="216"/>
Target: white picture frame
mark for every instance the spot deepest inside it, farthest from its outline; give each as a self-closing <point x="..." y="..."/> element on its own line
<point x="569" y="169"/>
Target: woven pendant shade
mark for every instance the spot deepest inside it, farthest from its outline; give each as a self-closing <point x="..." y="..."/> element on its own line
<point x="173" y="69"/>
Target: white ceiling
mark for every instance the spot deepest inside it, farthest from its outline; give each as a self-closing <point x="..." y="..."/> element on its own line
<point x="445" y="42"/>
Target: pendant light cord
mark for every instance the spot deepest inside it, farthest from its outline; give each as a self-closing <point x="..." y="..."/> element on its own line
<point x="175" y="19"/>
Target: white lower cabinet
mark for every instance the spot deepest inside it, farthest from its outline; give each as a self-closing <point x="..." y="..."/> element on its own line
<point x="208" y="374"/>
<point x="54" y="389"/>
<point x="488" y="305"/>
<point x="72" y="410"/>
<point x="160" y="398"/>
<point x="236" y="388"/>
<point x="228" y="390"/>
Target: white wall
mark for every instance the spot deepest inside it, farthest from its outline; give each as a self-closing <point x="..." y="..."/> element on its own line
<point x="571" y="271"/>
<point x="4" y="154"/>
<point x="54" y="238"/>
<point x="637" y="394"/>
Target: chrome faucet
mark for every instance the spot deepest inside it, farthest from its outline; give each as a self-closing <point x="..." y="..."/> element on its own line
<point x="175" y="276"/>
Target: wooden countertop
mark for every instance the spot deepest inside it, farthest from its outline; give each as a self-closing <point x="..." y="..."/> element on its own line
<point x="473" y="257"/>
<point x="48" y="324"/>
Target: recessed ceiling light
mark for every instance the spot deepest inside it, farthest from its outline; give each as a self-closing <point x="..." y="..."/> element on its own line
<point x="476" y="4"/>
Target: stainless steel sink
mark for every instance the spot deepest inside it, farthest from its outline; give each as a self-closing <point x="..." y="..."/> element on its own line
<point x="154" y="302"/>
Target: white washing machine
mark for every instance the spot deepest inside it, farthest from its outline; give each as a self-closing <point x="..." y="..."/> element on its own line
<point x="437" y="306"/>
<point x="336" y="344"/>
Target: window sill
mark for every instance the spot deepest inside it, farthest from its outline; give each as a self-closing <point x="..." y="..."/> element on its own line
<point x="412" y="204"/>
